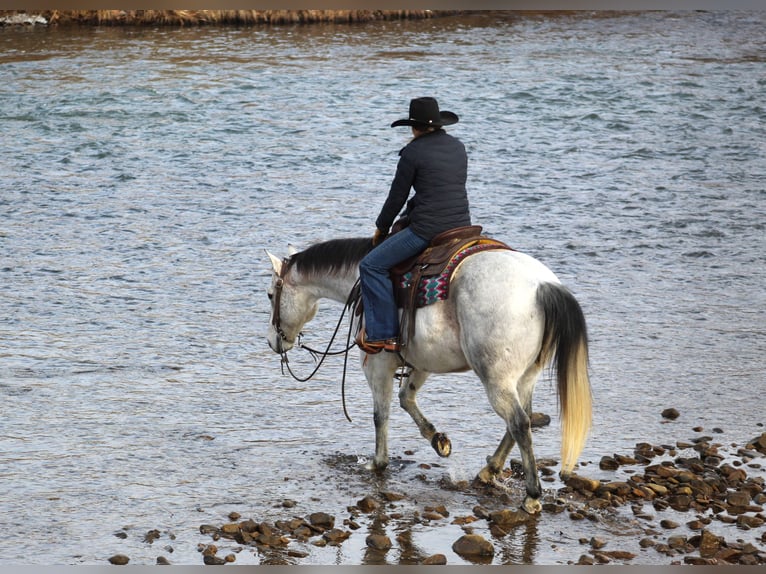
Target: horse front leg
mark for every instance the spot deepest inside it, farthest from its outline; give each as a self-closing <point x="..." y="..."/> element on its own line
<point x="379" y="371"/>
<point x="408" y="401"/>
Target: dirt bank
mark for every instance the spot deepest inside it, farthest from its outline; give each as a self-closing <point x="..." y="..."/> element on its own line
<point x="205" y="17"/>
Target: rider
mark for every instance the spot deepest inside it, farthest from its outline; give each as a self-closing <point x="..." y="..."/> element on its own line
<point x="435" y="165"/>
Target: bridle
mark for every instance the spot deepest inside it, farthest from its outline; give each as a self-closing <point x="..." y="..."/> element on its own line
<point x="276" y="323"/>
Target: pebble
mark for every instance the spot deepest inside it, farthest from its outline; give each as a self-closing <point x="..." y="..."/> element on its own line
<point x="435" y="560"/>
<point x="119" y="560"/>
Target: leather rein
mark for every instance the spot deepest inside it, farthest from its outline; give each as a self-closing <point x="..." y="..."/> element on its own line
<point x="276" y="323"/>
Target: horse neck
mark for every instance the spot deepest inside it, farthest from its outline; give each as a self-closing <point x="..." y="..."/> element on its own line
<point x="333" y="286"/>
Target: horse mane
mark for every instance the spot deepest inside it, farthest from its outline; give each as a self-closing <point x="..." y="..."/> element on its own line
<point x="331" y="257"/>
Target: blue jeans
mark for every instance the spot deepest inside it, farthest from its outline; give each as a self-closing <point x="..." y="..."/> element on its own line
<point x="381" y="317"/>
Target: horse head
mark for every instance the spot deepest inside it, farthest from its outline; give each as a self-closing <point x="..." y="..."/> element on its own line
<point x="291" y="306"/>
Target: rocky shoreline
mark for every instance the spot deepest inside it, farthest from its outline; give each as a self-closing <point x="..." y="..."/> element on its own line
<point x="693" y="479"/>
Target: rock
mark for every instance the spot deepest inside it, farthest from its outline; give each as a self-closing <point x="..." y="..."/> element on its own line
<point x="119" y="560"/>
<point x="212" y="560"/>
<point x="288" y="503"/>
<point x="582" y="483"/>
<point x="378" y="542"/>
<point x="597" y="543"/>
<point x="473" y="546"/>
<point x="162" y="561"/>
<point x="759" y="443"/>
<point x="670" y="414"/>
<point x="699" y="561"/>
<point x="617" y="554"/>
<point x="646" y="543"/>
<point x="508" y="519"/>
<point x="322" y="520"/>
<point x="234" y="516"/>
<point x="230" y="529"/>
<point x="677" y="542"/>
<point x="738" y="498"/>
<point x="435" y="560"/>
<point x="669" y="524"/>
<point x="367" y="504"/>
<point x="709" y="544"/>
<point x="626" y="460"/>
<point x="391" y="496"/>
<point x="745" y="521"/>
<point x="608" y="463"/>
<point x="335" y="536"/>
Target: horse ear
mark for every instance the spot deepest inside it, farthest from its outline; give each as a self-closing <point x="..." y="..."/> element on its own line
<point x="291" y="250"/>
<point x="276" y="263"/>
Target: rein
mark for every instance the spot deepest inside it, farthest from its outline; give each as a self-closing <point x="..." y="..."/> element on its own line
<point x="276" y="320"/>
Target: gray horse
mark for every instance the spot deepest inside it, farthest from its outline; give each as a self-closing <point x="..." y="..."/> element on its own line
<point x="506" y="318"/>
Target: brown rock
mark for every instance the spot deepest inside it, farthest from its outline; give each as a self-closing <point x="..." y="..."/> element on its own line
<point x="670" y="414"/>
<point x="669" y="524"/>
<point x="597" y="543"/>
<point x="473" y="546"/>
<point x="378" y="542"/>
<point x="677" y="542"/>
<point x="435" y="560"/>
<point x="508" y="519"/>
<point x="709" y="544"/>
<point x="745" y="521"/>
<point x="608" y="463"/>
<point x="335" y="536"/>
<point x="699" y="561"/>
<point x="368" y="504"/>
<point x="738" y="498"/>
<point x="759" y="443"/>
<point x="322" y="520"/>
<point x="119" y="560"/>
<point x="391" y="496"/>
<point x="582" y="483"/>
<point x="618" y="554"/>
<point x="230" y="529"/>
<point x="162" y="561"/>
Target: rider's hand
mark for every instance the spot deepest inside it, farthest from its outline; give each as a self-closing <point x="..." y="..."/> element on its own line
<point x="378" y="237"/>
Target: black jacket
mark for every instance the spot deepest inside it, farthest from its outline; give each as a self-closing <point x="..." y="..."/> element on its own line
<point x="435" y="165"/>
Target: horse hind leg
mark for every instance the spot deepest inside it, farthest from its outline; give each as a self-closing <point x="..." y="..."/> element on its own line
<point x="514" y="410"/>
<point x="408" y="401"/>
<point x="519" y="428"/>
<point x="496" y="461"/>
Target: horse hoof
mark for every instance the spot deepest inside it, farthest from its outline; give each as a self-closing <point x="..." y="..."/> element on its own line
<point x="441" y="444"/>
<point x="376" y="466"/>
<point x="531" y="506"/>
<point x="487" y="475"/>
<point x="565" y="474"/>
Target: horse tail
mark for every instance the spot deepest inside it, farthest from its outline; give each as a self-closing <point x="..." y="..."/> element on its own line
<point x="565" y="346"/>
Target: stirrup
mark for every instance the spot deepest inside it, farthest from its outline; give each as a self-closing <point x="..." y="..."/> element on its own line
<point x="375" y="347"/>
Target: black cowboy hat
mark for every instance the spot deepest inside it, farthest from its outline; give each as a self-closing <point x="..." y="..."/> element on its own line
<point x="425" y="112"/>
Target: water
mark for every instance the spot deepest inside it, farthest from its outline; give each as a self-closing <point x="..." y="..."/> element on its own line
<point x="145" y="172"/>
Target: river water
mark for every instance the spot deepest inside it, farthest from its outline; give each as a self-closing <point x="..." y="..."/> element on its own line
<point x="146" y="171"/>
